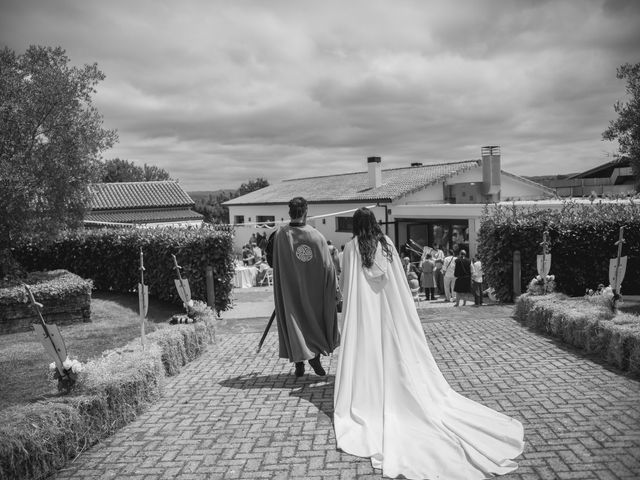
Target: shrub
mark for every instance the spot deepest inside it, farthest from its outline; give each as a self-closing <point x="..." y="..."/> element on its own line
<point x="582" y="240"/>
<point x="110" y="257"/>
<point x="66" y="298"/>
<point x="46" y="286"/>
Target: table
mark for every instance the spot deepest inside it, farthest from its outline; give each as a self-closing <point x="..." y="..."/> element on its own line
<point x="245" y="277"/>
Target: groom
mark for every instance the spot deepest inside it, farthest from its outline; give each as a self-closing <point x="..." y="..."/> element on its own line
<point x="304" y="290"/>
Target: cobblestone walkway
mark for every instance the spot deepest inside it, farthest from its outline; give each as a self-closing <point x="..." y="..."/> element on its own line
<point x="235" y="414"/>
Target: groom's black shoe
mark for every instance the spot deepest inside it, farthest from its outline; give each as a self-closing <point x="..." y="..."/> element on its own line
<point x="317" y="366"/>
<point x="299" y="369"/>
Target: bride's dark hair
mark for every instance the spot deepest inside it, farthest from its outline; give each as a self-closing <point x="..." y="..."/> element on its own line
<point x="366" y="228"/>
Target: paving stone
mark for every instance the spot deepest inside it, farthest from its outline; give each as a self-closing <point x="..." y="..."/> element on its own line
<point x="234" y="414"/>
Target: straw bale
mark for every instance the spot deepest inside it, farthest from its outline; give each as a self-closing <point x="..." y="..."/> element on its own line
<point x="37" y="439"/>
<point x="624" y="336"/>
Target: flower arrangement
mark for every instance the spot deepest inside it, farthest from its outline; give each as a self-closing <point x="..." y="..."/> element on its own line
<point x="196" y="311"/>
<point x="542" y="285"/>
<point x="603" y="296"/>
<point x="71" y="368"/>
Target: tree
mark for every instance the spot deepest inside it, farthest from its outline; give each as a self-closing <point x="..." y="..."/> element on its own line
<point x="152" y="173"/>
<point x="51" y="139"/>
<point x="215" y="212"/>
<point x="120" y="170"/>
<point x="251" y="186"/>
<point x="626" y="128"/>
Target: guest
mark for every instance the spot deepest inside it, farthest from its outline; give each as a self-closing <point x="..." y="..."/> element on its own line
<point x="333" y="251"/>
<point x="437" y="253"/>
<point x="262" y="267"/>
<point x="463" y="279"/>
<point x="408" y="267"/>
<point x="439" y="277"/>
<point x="449" y="268"/>
<point x="414" y="284"/>
<point x="248" y="257"/>
<point x="476" y="280"/>
<point x="428" y="282"/>
<point x="257" y="252"/>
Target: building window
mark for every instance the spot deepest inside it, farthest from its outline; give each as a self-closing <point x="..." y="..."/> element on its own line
<point x="268" y="220"/>
<point x="238" y="219"/>
<point x="344" y="224"/>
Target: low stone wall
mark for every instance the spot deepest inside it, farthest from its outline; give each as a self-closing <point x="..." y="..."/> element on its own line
<point x="18" y="317"/>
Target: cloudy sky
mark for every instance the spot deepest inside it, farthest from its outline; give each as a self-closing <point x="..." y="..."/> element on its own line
<point x="222" y="92"/>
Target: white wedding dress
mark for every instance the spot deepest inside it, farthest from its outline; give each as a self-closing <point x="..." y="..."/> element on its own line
<point x="392" y="403"/>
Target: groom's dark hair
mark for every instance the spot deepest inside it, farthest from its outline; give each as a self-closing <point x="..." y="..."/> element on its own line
<point x="297" y="207"/>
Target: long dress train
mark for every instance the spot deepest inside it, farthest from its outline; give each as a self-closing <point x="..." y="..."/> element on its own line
<point x="392" y="403"/>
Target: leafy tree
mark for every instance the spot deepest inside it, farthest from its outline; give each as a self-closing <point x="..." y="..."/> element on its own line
<point x="251" y="186"/>
<point x="120" y="170"/>
<point x="215" y="212"/>
<point x="626" y="128"/>
<point x="152" y="173"/>
<point x="51" y="139"/>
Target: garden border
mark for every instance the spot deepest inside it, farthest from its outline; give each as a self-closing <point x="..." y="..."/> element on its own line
<point x="615" y="339"/>
<point x="38" y="439"/>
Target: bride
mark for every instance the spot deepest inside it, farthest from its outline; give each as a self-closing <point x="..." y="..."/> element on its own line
<point x="392" y="403"/>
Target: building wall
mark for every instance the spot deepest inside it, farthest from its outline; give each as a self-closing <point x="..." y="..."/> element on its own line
<point x="423" y="205"/>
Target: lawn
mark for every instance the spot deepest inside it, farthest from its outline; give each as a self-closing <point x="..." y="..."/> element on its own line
<point x="24" y="363"/>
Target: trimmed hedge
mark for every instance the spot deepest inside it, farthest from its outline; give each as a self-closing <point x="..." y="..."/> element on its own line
<point x="586" y="325"/>
<point x="38" y="439"/>
<point x="111" y="259"/>
<point x="46" y="286"/>
<point x="66" y="298"/>
<point x="582" y="240"/>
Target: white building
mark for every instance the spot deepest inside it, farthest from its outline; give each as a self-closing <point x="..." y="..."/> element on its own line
<point x="435" y="203"/>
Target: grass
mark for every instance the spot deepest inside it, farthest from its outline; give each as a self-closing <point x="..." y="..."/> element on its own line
<point x="24" y="363"/>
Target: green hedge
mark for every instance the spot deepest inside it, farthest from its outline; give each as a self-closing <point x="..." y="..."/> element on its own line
<point x="46" y="286"/>
<point x="38" y="439"/>
<point x="590" y="326"/>
<point x="582" y="240"/>
<point x="110" y="258"/>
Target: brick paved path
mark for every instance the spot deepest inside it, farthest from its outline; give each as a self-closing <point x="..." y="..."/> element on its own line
<point x="232" y="414"/>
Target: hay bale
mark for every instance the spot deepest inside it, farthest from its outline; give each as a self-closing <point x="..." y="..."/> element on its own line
<point x="129" y="378"/>
<point x="634" y="357"/>
<point x="171" y="344"/>
<point x="625" y="334"/>
<point x="181" y="344"/>
<point x="38" y="438"/>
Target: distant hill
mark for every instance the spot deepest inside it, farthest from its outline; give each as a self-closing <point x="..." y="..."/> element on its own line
<point x="203" y="195"/>
<point x="544" y="178"/>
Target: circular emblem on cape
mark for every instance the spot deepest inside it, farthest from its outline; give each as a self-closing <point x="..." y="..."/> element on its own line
<point x="304" y="253"/>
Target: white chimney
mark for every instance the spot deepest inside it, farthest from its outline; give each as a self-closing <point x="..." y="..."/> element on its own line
<point x="491" y="172"/>
<point x="375" y="171"/>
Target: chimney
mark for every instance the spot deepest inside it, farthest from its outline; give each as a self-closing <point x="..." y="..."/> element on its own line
<point x="375" y="171"/>
<point x="491" y="172"/>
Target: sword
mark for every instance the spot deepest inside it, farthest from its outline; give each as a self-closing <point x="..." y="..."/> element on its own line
<point x="56" y="348"/>
<point x="266" y="330"/>
<point x="182" y="284"/>
<point x="619" y="243"/>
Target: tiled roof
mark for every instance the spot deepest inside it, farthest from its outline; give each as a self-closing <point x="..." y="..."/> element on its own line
<point x="396" y="183"/>
<point x="118" y="196"/>
<point x="143" y="216"/>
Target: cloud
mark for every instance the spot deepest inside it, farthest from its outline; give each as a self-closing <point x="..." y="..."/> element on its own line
<point x="219" y="92"/>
